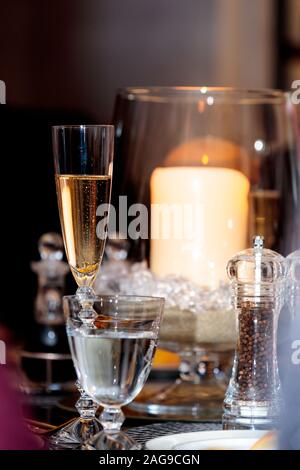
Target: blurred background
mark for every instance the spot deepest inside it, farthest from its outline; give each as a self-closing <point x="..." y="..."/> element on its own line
<point x="62" y="62"/>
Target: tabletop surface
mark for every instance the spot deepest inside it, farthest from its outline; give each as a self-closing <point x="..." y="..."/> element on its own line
<point x="57" y="409"/>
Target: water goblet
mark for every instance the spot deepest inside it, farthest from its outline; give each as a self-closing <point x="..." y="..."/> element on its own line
<point x="113" y="357"/>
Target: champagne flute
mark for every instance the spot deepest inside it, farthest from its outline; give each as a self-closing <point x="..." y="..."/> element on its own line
<point x="83" y="157"/>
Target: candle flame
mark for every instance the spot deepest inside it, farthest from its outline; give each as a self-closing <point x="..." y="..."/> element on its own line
<point x="205" y="159"/>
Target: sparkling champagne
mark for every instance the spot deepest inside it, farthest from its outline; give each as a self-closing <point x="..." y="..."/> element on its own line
<point x="78" y="198"/>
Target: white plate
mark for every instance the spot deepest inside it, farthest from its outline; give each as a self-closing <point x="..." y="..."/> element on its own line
<point x="207" y="440"/>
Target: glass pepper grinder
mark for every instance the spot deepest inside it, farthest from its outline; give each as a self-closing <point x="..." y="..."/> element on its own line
<point x="253" y="397"/>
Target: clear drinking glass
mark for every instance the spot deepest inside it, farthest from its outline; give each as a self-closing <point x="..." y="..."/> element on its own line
<point x="113" y="357"/>
<point x="83" y="157"/>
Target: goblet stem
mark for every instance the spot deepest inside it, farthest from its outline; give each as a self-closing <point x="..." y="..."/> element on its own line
<point x="112" y="419"/>
<point x="85" y="406"/>
<point x="112" y="438"/>
<point x="87" y="314"/>
<point x="81" y="429"/>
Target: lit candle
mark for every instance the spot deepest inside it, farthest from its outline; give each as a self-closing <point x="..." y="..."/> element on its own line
<point x="199" y="220"/>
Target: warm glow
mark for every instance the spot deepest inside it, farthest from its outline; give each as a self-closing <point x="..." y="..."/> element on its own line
<point x="201" y="106"/>
<point x="205" y="159"/>
<point x="221" y="152"/>
<point x="165" y="359"/>
<point x="216" y="226"/>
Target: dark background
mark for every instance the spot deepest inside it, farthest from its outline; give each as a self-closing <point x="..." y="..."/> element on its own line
<point x="62" y="62"/>
<point x="73" y="54"/>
